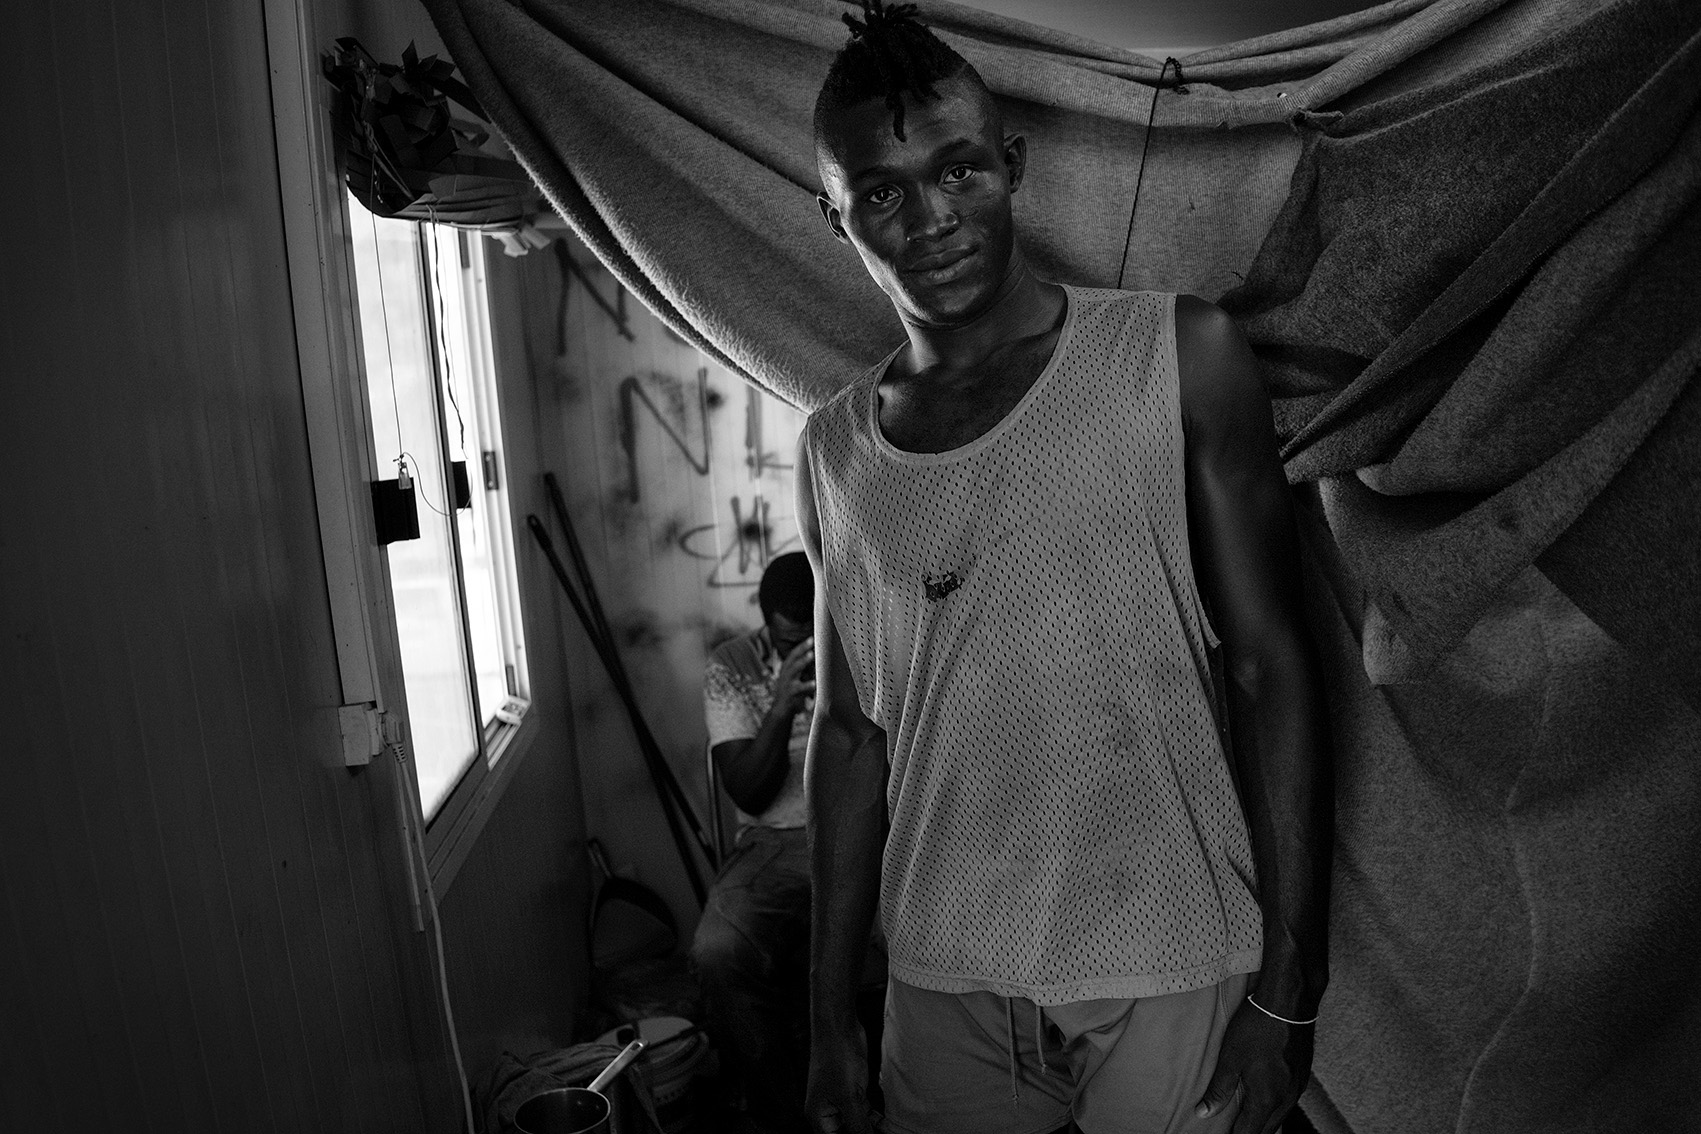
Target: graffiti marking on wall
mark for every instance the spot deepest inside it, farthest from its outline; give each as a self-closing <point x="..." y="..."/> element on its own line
<point x="756" y="455"/>
<point x="616" y="311"/>
<point x="675" y="423"/>
<point x="751" y="545"/>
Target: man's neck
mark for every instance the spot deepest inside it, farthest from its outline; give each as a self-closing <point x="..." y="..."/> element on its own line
<point x="1024" y="306"/>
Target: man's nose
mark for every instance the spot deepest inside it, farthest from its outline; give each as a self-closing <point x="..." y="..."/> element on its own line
<point x="932" y="216"/>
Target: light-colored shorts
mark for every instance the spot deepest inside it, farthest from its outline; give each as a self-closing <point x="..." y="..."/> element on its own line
<point x="979" y="1063"/>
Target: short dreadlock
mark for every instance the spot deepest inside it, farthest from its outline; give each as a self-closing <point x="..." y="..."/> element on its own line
<point x="890" y="52"/>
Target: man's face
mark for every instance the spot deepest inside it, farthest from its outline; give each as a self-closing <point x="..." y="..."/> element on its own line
<point x="930" y="215"/>
<point x="788" y="633"/>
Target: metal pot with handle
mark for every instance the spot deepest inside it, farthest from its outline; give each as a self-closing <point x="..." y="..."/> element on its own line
<point x="574" y="1110"/>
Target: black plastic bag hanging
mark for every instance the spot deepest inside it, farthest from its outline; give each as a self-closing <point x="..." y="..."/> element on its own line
<point x="409" y="155"/>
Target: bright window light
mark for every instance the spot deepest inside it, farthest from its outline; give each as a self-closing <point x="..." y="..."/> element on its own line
<point x="431" y="386"/>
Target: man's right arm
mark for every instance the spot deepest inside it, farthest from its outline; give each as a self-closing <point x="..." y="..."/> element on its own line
<point x="753" y="769"/>
<point x="845" y="778"/>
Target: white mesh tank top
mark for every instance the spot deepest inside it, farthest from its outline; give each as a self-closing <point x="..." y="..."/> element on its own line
<point x="1021" y="618"/>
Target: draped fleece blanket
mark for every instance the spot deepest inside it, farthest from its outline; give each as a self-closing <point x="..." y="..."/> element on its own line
<point x="1464" y="239"/>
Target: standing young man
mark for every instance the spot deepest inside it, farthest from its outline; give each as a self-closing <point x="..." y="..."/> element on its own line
<point x="1030" y="524"/>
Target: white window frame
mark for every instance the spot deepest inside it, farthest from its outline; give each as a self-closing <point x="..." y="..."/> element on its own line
<point x="373" y="715"/>
<point x="460" y="817"/>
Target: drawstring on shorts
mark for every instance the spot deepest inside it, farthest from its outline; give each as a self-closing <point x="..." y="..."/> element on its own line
<point x="1010" y="1019"/>
<point x="1039" y="1037"/>
<point x="1039" y="1042"/>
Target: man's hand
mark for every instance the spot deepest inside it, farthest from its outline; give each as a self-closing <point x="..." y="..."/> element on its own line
<point x="837" y="1098"/>
<point x="1267" y="1063"/>
<point x="796" y="683"/>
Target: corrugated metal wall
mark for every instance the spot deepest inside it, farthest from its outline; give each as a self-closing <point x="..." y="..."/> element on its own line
<point x="203" y="920"/>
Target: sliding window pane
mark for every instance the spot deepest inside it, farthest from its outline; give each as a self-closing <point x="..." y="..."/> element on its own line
<point x="397" y="337"/>
<point x="472" y="429"/>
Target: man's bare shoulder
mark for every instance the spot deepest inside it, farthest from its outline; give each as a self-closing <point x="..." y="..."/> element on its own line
<point x="1220" y="386"/>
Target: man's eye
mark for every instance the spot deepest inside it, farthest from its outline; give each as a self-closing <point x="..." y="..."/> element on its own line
<point x="958" y="173"/>
<point x="883" y="195"/>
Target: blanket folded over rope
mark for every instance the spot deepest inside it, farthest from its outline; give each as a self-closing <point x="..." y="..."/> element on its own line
<point x="1464" y="239"/>
<point x="1457" y="222"/>
<point x="1479" y="304"/>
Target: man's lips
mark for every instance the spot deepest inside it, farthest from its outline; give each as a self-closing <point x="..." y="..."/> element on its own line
<point x="938" y="261"/>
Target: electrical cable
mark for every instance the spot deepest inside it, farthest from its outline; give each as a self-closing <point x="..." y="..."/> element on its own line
<point x="413" y="828"/>
<point x="443" y="331"/>
<point x="414" y="461"/>
<point x="389" y="354"/>
<point x="417" y="842"/>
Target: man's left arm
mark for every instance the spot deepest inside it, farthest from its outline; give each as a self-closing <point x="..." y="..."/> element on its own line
<point x="1246" y="559"/>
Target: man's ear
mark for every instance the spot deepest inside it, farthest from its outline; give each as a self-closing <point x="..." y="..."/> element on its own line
<point x="1015" y="158"/>
<point x="830" y="214"/>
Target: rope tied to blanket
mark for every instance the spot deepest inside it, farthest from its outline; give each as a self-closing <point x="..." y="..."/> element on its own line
<point x="1145" y="145"/>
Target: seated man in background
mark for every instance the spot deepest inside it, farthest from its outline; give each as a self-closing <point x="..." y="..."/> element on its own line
<point x="752" y="944"/>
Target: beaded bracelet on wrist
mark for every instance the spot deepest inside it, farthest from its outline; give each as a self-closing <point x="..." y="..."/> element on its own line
<point x="1273" y="1016"/>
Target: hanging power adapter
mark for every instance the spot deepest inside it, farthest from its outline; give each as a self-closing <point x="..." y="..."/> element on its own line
<point x="395" y="512"/>
<point x="460" y="484"/>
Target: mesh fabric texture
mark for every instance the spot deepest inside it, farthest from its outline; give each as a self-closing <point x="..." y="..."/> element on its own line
<point x="1020" y="616"/>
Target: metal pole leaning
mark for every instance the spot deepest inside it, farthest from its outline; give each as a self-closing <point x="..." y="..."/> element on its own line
<point x="656" y="764"/>
<point x="617" y="670"/>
